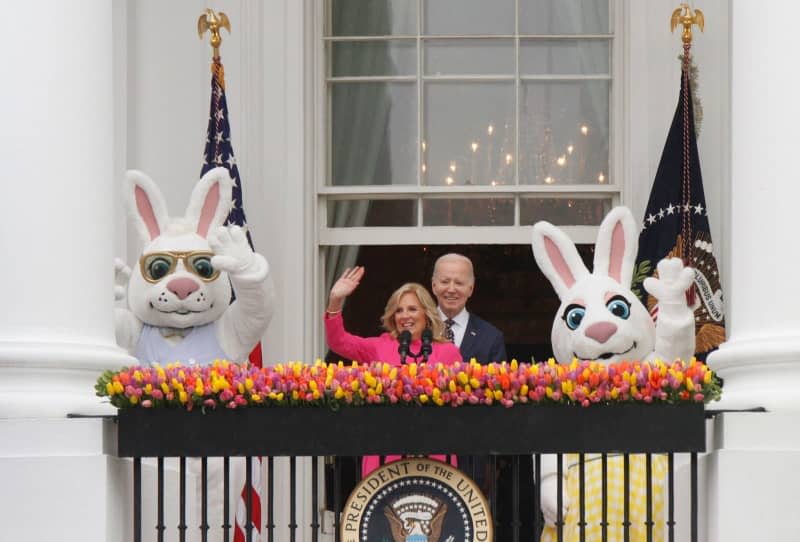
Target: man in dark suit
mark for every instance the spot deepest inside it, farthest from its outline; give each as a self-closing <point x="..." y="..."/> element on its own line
<point x="453" y="282"/>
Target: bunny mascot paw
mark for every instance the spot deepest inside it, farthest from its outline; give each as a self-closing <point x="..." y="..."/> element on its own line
<point x="179" y="294"/>
<point x="675" y="338"/>
<point x="549" y="492"/>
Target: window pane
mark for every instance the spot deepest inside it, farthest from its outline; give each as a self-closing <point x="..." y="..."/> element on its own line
<point x="373" y="133"/>
<point x="565" y="57"/>
<point x="462" y="17"/>
<point x="357" y="58"/>
<point x="563" y="17"/>
<point x="468" y="212"/>
<point x="469" y="57"/>
<point x="375" y="213"/>
<point x="469" y="133"/>
<point x="564" y="132"/>
<point x="373" y="18"/>
<point x="563" y="211"/>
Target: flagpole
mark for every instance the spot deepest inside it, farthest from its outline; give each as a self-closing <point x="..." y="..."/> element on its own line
<point x="684" y="17"/>
<point x="219" y="152"/>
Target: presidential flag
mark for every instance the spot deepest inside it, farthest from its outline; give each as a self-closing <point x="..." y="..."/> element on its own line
<point x="676" y="224"/>
<point x="219" y="152"/>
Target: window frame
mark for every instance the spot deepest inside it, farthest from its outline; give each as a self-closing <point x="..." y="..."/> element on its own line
<point x="421" y="234"/>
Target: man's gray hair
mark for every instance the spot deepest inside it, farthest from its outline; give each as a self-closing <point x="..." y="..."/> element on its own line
<point x="454" y="257"/>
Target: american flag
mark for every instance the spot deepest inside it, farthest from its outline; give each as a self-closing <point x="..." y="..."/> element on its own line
<point x="219" y="153"/>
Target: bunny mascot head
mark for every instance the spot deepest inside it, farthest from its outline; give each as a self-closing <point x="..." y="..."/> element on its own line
<point x="180" y="289"/>
<point x="600" y="318"/>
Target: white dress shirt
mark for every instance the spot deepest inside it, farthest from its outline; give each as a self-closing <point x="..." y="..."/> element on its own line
<point x="459" y="325"/>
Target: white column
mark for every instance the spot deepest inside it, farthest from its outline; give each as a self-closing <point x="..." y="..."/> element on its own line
<point x="57" y="208"/>
<point x="760" y="361"/>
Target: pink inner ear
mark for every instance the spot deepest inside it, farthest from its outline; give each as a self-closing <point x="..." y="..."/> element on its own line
<point x="209" y="209"/>
<point x="559" y="264"/>
<point x="145" y="209"/>
<point x="617" y="254"/>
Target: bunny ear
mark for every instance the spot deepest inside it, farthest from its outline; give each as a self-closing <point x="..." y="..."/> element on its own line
<point x="616" y="247"/>
<point x="211" y="201"/>
<point x="557" y="257"/>
<point x="145" y="204"/>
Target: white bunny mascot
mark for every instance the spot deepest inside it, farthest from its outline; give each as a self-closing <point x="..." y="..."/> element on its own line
<point x="179" y="293"/>
<point x="600" y="318"/>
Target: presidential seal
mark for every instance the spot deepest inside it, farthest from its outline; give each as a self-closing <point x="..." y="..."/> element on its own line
<point x="416" y="500"/>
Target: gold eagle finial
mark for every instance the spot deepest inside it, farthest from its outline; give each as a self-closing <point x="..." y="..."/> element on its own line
<point x="213" y="21"/>
<point x="684" y="16"/>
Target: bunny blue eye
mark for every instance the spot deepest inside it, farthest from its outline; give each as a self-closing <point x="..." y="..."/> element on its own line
<point x="619" y="307"/>
<point x="158" y="268"/>
<point x="573" y="315"/>
<point x="202" y="266"/>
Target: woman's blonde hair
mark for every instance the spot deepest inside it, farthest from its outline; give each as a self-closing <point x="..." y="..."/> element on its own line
<point x="432" y="318"/>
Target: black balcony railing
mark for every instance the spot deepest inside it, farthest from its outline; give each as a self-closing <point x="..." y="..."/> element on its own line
<point x="513" y="435"/>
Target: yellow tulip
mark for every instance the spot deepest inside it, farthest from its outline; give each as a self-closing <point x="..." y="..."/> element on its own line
<point x="109" y="388"/>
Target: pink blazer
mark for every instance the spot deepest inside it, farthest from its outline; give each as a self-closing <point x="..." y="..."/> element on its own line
<point x="381" y="348"/>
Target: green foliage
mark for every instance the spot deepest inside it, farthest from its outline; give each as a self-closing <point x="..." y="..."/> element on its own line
<point x="641" y="272"/>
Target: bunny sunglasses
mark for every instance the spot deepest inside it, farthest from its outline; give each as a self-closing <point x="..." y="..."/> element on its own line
<point x="157" y="265"/>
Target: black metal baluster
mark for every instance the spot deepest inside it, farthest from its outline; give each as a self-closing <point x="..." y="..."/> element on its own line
<point x="204" y="499"/>
<point x="694" y="497"/>
<point x="559" y="498"/>
<point x="182" y="526"/>
<point x="626" y="492"/>
<point x="671" y="497"/>
<point x="649" y="474"/>
<point x="292" y="498"/>
<point x="160" y="499"/>
<point x="515" y="521"/>
<point x="604" y="497"/>
<point x="494" y="496"/>
<point x="314" y="500"/>
<point x="137" y="499"/>
<point x="582" y="497"/>
<point x="226" y="502"/>
<point x="537" y="493"/>
<point x="248" y="499"/>
<point x="337" y="490"/>
<point x="270" y="499"/>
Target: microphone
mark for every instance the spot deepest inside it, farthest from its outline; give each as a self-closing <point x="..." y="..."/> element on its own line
<point x="427" y="346"/>
<point x="405" y="343"/>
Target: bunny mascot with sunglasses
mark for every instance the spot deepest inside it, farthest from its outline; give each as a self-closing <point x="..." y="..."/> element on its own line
<point x="179" y="294"/>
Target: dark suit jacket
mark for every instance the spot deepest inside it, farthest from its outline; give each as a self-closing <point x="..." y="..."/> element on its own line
<point x="482" y="341"/>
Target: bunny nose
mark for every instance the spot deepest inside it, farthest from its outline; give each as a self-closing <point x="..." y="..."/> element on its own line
<point x="182" y="287"/>
<point x="601" y="331"/>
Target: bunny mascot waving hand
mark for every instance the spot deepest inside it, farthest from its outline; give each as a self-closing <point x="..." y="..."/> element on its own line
<point x="179" y="293"/>
<point x="600" y="318"/>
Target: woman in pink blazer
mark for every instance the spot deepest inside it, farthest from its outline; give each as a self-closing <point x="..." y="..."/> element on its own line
<point x="410" y="308"/>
